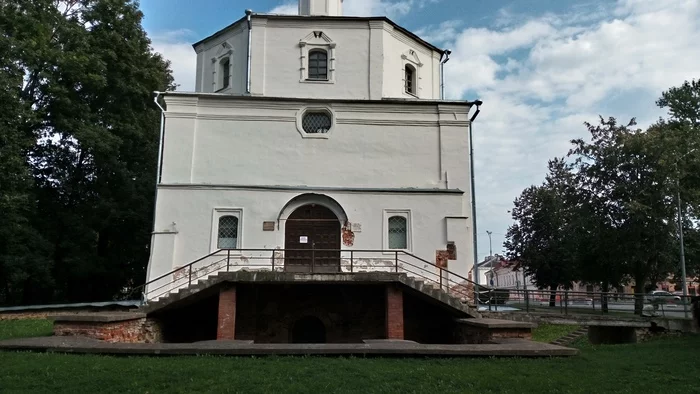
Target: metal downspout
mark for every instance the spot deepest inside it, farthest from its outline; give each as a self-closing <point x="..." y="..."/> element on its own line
<point x="249" y="14"/>
<point x="445" y="59"/>
<point x="159" y="176"/>
<point x="473" y="196"/>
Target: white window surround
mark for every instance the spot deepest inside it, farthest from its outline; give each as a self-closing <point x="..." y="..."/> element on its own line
<point x="316" y="40"/>
<point x="411" y="57"/>
<point x="388" y="213"/>
<point x="224" y="53"/>
<point x="216" y="215"/>
<point x="300" y="117"/>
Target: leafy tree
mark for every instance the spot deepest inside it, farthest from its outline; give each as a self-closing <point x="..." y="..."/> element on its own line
<point x="87" y="74"/>
<point x="539" y="239"/>
<point x="622" y="178"/>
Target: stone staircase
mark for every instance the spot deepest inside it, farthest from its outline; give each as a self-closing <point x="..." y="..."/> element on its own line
<point x="207" y="285"/>
<point x="568" y="339"/>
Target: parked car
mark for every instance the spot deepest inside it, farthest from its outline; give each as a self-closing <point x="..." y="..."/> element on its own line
<point x="662" y="297"/>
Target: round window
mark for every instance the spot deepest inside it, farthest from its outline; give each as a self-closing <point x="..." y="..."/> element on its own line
<point x="316" y="122"/>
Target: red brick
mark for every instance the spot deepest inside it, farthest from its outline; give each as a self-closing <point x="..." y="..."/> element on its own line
<point x="226" y="328"/>
<point x="394" y="313"/>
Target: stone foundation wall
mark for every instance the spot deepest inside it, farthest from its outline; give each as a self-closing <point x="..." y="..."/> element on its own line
<point x="129" y="331"/>
<point x="479" y="335"/>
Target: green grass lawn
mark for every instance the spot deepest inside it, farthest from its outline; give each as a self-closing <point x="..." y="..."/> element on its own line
<point x="667" y="365"/>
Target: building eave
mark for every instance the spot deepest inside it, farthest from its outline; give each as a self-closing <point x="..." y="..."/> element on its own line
<point x="323" y="18"/>
<point x="224" y="96"/>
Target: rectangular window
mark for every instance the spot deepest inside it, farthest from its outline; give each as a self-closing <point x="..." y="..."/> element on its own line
<point x="226" y="73"/>
<point x="397" y="230"/>
<point x="226" y="228"/>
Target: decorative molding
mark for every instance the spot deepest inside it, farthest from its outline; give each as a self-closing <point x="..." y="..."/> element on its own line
<point x="247" y="118"/>
<point x="389" y="122"/>
<point x="300" y="116"/>
<point x="411" y="42"/>
<point x="325" y="25"/>
<point x="281" y="188"/>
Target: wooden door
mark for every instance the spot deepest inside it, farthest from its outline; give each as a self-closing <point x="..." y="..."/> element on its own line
<point x="312" y="240"/>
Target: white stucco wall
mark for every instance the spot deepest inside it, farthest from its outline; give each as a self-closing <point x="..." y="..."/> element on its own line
<point x="397" y="47"/>
<point x="230" y="152"/>
<point x="209" y="53"/>
<point x="368" y="59"/>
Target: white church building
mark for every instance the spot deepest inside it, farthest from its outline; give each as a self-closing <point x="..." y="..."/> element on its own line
<point x="314" y="143"/>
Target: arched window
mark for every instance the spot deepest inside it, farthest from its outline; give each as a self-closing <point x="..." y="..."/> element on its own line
<point x="318" y="64"/>
<point x="410" y="79"/>
<point x="225" y="73"/>
<point x="398" y="233"/>
<point x="228" y="232"/>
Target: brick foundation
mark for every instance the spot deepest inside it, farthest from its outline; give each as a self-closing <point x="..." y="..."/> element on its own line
<point x="394" y="313"/>
<point x="141" y="330"/>
<point x="226" y="327"/>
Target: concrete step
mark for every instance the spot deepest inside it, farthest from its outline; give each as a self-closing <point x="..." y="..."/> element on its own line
<point x="567" y="339"/>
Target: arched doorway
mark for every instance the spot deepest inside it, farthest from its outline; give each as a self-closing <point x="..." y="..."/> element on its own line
<point x="308" y="329"/>
<point x="312" y="240"/>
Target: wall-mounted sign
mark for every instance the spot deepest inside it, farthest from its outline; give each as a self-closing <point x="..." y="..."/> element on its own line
<point x="268" y="226"/>
<point x="303" y="239"/>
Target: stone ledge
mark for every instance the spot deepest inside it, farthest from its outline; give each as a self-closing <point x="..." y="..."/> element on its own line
<point x="99" y="317"/>
<point x="496" y="323"/>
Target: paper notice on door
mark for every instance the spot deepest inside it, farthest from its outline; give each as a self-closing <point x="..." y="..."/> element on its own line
<point x="303" y="239"/>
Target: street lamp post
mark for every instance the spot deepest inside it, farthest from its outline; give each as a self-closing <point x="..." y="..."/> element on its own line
<point x="680" y="238"/>
<point x="680" y="234"/>
<point x="490" y="249"/>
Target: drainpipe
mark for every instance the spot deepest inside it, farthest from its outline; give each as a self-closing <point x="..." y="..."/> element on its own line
<point x="156" y="95"/>
<point x="473" y="195"/>
<point x="249" y="14"/>
<point x="445" y="58"/>
<point x="159" y="176"/>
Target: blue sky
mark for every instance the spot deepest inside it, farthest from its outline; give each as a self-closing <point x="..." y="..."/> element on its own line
<point x="542" y="68"/>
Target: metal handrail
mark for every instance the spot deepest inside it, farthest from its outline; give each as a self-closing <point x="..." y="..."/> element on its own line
<point x="353" y="252"/>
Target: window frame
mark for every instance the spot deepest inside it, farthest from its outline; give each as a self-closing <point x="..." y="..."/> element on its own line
<point x="225" y="68"/>
<point x="300" y="119"/>
<point x="217" y="214"/>
<point x="413" y="81"/>
<point x="313" y="41"/>
<point x="410" y="58"/>
<point x="308" y="65"/>
<point x="224" y="53"/>
<point x="389" y="213"/>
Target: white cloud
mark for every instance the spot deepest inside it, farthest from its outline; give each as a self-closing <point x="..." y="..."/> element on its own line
<point x="288" y="8"/>
<point x="176" y="46"/>
<point x="541" y="77"/>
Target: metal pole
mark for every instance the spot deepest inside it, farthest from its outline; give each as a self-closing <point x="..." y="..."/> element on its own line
<point x="396" y="258"/>
<point x="228" y="260"/>
<point x="351" y="261"/>
<point x="273" y="261"/>
<point x="490" y="248"/>
<point x="680" y="236"/>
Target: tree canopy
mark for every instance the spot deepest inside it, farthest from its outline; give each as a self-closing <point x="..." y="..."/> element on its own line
<point x="79" y="148"/>
<point x="607" y="212"/>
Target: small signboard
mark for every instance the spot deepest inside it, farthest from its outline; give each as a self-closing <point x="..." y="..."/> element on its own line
<point x="303" y="239"/>
<point x="268" y="226"/>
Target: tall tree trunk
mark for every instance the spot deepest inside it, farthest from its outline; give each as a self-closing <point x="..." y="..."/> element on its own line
<point x="639" y="282"/>
<point x="553" y="296"/>
<point x="605" y="288"/>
